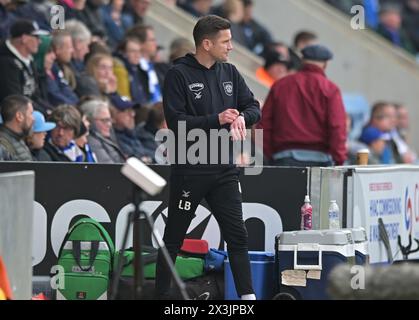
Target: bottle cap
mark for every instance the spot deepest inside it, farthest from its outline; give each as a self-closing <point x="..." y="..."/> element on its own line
<point x="307" y="199"/>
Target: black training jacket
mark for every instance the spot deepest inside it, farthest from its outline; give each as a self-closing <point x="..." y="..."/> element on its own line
<point x="197" y="95"/>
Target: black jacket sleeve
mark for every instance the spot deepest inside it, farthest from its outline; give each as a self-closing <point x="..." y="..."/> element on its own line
<point x="247" y="103"/>
<point x="175" y="106"/>
<point x="10" y="82"/>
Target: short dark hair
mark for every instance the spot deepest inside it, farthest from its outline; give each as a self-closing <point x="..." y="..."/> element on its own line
<point x="12" y="105"/>
<point x="304" y="36"/>
<point x="208" y="27"/>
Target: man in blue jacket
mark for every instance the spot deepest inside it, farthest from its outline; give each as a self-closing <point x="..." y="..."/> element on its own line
<point x="204" y="92"/>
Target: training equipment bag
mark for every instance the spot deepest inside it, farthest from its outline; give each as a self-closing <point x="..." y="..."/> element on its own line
<point x="86" y="255"/>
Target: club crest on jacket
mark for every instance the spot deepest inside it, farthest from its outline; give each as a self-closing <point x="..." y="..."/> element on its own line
<point x="228" y="88"/>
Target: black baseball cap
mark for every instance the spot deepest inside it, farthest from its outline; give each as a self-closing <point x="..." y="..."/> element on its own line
<point x="23" y="26"/>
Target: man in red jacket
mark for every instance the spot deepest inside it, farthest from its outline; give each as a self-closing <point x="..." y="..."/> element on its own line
<point x="304" y="118"/>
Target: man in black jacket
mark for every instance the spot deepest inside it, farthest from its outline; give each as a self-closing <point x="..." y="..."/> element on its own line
<point x="18" y="70"/>
<point x="202" y="92"/>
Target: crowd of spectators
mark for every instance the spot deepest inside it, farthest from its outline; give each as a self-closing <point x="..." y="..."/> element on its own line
<point x="91" y="92"/>
<point x="96" y="86"/>
<point x="395" y="20"/>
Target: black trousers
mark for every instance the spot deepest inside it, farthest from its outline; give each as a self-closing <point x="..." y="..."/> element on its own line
<point x="223" y="195"/>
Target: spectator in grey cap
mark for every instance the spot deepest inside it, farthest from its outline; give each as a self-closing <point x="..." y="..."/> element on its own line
<point x="317" y="53"/>
<point x="303" y="119"/>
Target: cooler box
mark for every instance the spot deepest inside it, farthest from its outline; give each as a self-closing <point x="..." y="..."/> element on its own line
<point x="359" y="236"/>
<point x="308" y="257"/>
<point x="262" y="267"/>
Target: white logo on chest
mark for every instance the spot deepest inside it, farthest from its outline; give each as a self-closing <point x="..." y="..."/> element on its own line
<point x="196" y="89"/>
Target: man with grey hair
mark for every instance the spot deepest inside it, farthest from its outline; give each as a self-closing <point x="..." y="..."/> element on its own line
<point x="62" y="45"/>
<point x="16" y="111"/>
<point x="82" y="38"/>
<point x="75" y="70"/>
<point x="102" y="138"/>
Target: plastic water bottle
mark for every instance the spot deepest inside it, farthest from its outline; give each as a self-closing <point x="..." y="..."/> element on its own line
<point x="306" y="215"/>
<point x="334" y="222"/>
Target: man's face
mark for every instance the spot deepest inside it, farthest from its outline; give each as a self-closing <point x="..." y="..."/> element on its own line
<point x="103" y="123"/>
<point x="386" y="120"/>
<point x="149" y="47"/>
<point x="65" y="51"/>
<point x="220" y="46"/>
<point x="133" y="52"/>
<point x="26" y="125"/>
<point x="81" y="48"/>
<point x="124" y="119"/>
<point x="392" y="20"/>
<point x="278" y="71"/>
<point x="31" y="43"/>
<point x="62" y="135"/>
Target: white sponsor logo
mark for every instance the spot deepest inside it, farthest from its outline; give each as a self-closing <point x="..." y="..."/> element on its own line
<point x="196" y="89"/>
<point x="209" y="148"/>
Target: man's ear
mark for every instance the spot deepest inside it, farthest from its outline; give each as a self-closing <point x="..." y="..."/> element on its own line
<point x="20" y="117"/>
<point x="206" y="44"/>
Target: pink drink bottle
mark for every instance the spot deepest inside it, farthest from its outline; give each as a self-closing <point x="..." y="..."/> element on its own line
<point x="306" y="215"/>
